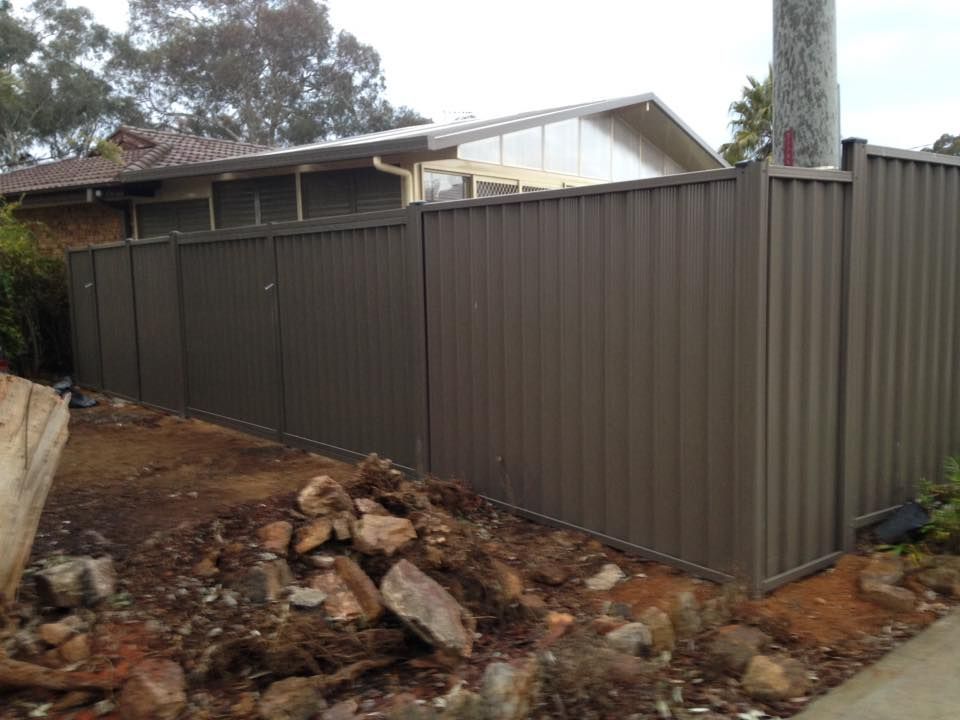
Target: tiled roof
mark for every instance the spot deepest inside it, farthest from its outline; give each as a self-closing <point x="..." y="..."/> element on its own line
<point x="142" y="149"/>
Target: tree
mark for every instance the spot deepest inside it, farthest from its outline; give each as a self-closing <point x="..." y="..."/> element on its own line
<point x="267" y="71"/>
<point x="945" y="145"/>
<point x="752" y="123"/>
<point x="54" y="98"/>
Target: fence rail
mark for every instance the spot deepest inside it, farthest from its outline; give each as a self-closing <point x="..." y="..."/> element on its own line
<point x="727" y="370"/>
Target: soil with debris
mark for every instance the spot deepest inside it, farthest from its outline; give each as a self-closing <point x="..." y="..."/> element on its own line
<point x="179" y="504"/>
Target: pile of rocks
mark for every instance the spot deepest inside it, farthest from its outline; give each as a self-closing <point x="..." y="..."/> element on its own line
<point x="882" y="579"/>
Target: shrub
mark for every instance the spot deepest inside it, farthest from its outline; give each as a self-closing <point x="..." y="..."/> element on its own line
<point x="34" y="311"/>
<point x="942" y="501"/>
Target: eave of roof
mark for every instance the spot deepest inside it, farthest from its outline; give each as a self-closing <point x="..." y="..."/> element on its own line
<point x="413" y="139"/>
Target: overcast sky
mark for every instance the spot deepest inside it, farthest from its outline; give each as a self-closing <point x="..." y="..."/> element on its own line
<point x="898" y="60"/>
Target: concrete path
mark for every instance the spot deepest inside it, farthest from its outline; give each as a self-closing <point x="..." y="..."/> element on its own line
<point x="920" y="680"/>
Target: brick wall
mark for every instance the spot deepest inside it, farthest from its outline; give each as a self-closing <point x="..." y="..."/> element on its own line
<point x="61" y="226"/>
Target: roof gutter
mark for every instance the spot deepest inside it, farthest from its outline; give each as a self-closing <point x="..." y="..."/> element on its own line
<point x="405" y="175"/>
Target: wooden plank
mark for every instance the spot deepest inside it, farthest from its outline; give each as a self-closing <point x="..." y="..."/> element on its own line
<point x="33" y="431"/>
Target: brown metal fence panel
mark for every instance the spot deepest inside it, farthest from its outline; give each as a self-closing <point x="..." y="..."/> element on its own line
<point x="229" y="313"/>
<point x="350" y="308"/>
<point x="85" y="328"/>
<point x="581" y="360"/>
<point x="118" y="341"/>
<point x="803" y="375"/>
<point x="903" y="395"/>
<point x="158" y="324"/>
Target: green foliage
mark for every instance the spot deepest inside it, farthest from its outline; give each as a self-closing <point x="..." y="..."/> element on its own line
<point x="109" y="151"/>
<point x="273" y="72"/>
<point x="942" y="501"/>
<point x="33" y="300"/>
<point x="945" y="145"/>
<point x="752" y="123"/>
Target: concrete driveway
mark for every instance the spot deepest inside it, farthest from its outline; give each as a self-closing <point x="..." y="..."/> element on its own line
<point x="920" y="680"/>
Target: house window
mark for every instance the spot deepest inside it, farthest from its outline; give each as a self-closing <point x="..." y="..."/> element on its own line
<point x="560" y="141"/>
<point x="255" y="201"/>
<point x="595" y="146"/>
<point x="445" y="186"/>
<point x="342" y="192"/>
<point x="161" y="218"/>
<point x="524" y="148"/>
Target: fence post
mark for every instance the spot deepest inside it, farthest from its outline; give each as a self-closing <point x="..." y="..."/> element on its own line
<point x="852" y="314"/>
<point x="181" y="325"/>
<point x="136" y="322"/>
<point x="96" y="314"/>
<point x="750" y="379"/>
<point x="416" y="242"/>
<point x="278" y="338"/>
<point x="72" y="301"/>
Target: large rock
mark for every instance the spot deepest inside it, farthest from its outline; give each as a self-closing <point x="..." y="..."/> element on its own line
<point x="312" y="536"/>
<point x="56" y="633"/>
<point x="362" y="587"/>
<point x="294" y="698"/>
<point x="509" y="691"/>
<point x="685" y="615"/>
<point x="427" y="609"/>
<point x="76" y="582"/>
<point x="509" y="584"/>
<point x="306" y="598"/>
<point x="608" y="576"/>
<point x="76" y="649"/>
<point x="883" y="569"/>
<point x="382" y="534"/>
<point x="156" y="690"/>
<point x="275" y="536"/>
<point x="662" y="637"/>
<point x="775" y="678"/>
<point x="341" y="605"/>
<point x="887" y="596"/>
<point x="943" y="579"/>
<point x="323" y="496"/>
<point x="366" y="506"/>
<point x="264" y="581"/>
<point x="734" y="646"/>
<point x="631" y="639"/>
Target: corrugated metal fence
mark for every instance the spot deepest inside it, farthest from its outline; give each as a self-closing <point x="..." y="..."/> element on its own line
<point x="724" y="370"/>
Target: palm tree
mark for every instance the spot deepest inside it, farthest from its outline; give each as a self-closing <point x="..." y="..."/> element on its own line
<point x="752" y="123"/>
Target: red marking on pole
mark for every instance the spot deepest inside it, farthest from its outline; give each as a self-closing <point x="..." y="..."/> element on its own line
<point x="788" y="147"/>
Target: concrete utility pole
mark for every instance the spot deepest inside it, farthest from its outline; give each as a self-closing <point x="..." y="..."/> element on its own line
<point x="806" y="112"/>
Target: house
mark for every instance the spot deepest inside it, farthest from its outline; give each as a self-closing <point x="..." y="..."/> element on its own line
<point x="175" y="182"/>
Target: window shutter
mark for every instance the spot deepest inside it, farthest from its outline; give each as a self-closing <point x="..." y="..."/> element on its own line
<point x="327" y="193"/>
<point x="377" y="190"/>
<point x="154" y="219"/>
<point x="234" y="203"/>
<point x="278" y="198"/>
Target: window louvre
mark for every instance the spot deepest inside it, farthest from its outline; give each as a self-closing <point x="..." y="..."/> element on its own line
<point x="161" y="218"/>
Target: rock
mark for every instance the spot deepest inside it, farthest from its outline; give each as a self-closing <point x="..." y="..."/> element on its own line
<point x="890" y="597"/>
<point x="156" y="690"/>
<point x="620" y="610"/>
<point x="604" y="624"/>
<point x="775" y="678"/>
<point x="552" y="575"/>
<point x="340" y="605"/>
<point x="306" y="598"/>
<point x="76" y="649"/>
<point x="715" y="612"/>
<point x="362" y="587"/>
<point x="662" y="638"/>
<point x="508" y="581"/>
<point x="264" y="581"/>
<point x="275" y="536"/>
<point x="427" y="609"/>
<point x="685" y="615"/>
<point x="206" y="567"/>
<point x="882" y="569"/>
<point x="55" y="633"/>
<point x="508" y="691"/>
<point x="77" y="581"/>
<point x="101" y="579"/>
<point x="733" y="646"/>
<point x="382" y="535"/>
<point x="558" y="625"/>
<point x="342" y="527"/>
<point x="323" y="496"/>
<point x="322" y="561"/>
<point x="943" y="579"/>
<point x="312" y="536"/>
<point x="608" y="576"/>
<point x="532" y="605"/>
<point x="345" y="710"/>
<point x="366" y="506"/>
<point x="462" y="703"/>
<point x="623" y="668"/>
<point x="295" y="698"/>
<point x="632" y="639"/>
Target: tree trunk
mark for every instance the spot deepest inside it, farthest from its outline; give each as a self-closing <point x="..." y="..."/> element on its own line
<point x="33" y="431"/>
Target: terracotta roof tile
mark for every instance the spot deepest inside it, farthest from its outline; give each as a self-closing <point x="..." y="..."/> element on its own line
<point x="143" y="149"/>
